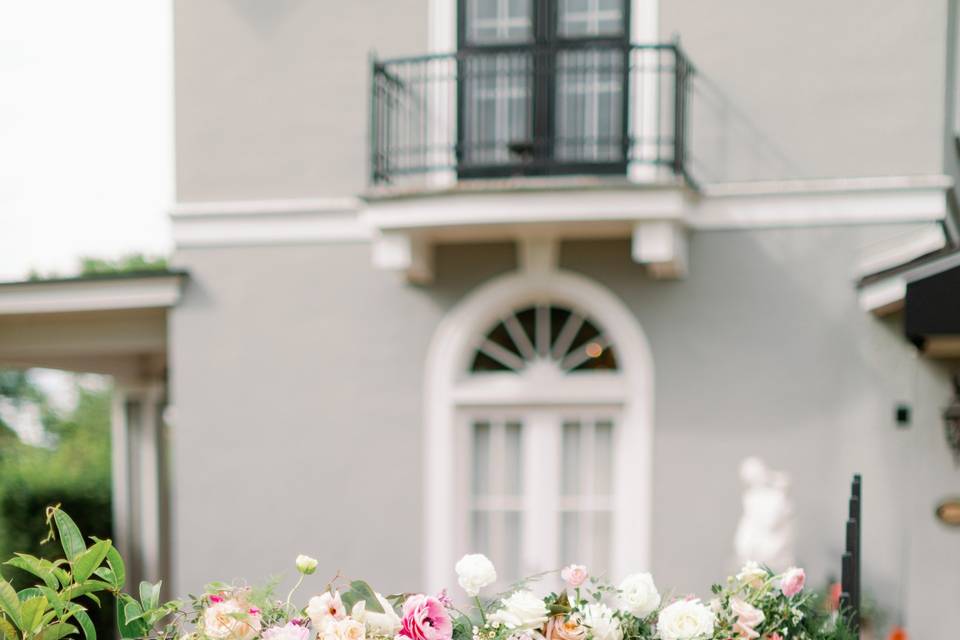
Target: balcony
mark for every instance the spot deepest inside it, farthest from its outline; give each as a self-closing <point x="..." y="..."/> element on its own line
<point x="578" y="108"/>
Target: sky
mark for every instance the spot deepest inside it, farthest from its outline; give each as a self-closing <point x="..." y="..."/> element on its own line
<point x="86" y="131"/>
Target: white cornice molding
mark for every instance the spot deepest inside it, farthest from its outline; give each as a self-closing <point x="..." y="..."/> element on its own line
<point x="568" y="207"/>
<point x="267" y="222"/>
<point x="66" y="296"/>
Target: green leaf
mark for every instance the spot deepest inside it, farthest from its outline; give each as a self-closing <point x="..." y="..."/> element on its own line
<point x="89" y="560"/>
<point x="149" y="595"/>
<point x="70" y="538"/>
<point x="57" y="631"/>
<point x="29" y="592"/>
<point x="361" y="591"/>
<point x="132" y="611"/>
<point x="115" y="560"/>
<point x="31" y="614"/>
<point x="85" y="589"/>
<point x="128" y="619"/>
<point x="7" y="632"/>
<point x="40" y="568"/>
<point x="10" y="603"/>
<point x="64" y="577"/>
<point x="83" y="619"/>
<point x="54" y="599"/>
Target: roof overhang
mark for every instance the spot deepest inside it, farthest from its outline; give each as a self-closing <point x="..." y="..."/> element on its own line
<point x="106" y="324"/>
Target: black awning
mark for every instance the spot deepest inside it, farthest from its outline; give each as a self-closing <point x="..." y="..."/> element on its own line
<point x="932" y="307"/>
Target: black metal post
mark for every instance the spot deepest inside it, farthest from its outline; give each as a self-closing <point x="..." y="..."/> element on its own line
<point x="850" y="577"/>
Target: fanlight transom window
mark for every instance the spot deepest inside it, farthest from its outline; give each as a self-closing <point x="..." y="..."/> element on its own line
<point x="545" y="332"/>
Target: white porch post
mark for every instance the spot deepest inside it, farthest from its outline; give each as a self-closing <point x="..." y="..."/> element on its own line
<point x="137" y="478"/>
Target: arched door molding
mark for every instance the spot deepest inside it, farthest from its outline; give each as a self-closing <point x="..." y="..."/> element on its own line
<point x="452" y="347"/>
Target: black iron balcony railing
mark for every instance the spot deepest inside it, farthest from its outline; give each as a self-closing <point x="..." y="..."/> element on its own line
<point x="578" y="108"/>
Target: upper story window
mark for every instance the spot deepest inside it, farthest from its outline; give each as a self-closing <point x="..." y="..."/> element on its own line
<point x="533" y="88"/>
<point x="542" y="86"/>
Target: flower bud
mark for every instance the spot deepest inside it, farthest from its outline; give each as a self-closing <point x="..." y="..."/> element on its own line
<point x="306" y="565"/>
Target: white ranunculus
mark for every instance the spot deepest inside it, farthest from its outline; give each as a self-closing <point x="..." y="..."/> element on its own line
<point x="752" y="574"/>
<point x="685" y="620"/>
<point x="230" y="620"/>
<point x="324" y="610"/>
<point x="639" y="595"/>
<point x="521" y="610"/>
<point x="599" y="619"/>
<point x="474" y="572"/>
<point x="381" y="624"/>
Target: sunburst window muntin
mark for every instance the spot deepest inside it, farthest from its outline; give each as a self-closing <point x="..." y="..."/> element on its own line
<point x="545" y="332"/>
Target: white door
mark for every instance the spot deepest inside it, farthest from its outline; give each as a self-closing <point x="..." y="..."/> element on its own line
<point x="537" y="487"/>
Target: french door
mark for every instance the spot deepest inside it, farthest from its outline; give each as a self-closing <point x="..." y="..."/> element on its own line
<point x="537" y="488"/>
<point x="543" y="86"/>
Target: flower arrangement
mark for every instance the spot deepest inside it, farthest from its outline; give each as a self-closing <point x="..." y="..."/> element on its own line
<point x="754" y="604"/>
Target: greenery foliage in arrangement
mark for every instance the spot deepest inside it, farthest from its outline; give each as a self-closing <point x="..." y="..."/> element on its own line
<point x="754" y="604"/>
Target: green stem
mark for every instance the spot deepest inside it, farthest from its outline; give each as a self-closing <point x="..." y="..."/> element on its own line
<point x="483" y="616"/>
<point x="295" y="587"/>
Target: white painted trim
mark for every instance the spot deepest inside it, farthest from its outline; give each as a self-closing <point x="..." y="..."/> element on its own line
<point x="826" y="185"/>
<point x="504" y="206"/>
<point x="228" y="208"/>
<point x="450" y="349"/>
<point x="526" y="207"/>
<point x="902" y="249"/>
<point x="90" y="295"/>
<point x="886" y="295"/>
<point x="256" y="222"/>
<point x="815" y="208"/>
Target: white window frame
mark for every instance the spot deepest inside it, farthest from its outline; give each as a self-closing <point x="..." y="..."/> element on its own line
<point x="448" y="389"/>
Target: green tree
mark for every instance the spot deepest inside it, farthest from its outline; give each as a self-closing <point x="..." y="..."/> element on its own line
<point x="73" y="472"/>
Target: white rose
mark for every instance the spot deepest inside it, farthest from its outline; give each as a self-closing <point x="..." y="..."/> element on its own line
<point x="324" y="610"/>
<point x="230" y="620"/>
<point x="381" y="624"/>
<point x="522" y="610"/>
<point x="599" y="619"/>
<point x="752" y="574"/>
<point x="639" y="594"/>
<point x="347" y="629"/>
<point x="685" y="620"/>
<point x="474" y="572"/>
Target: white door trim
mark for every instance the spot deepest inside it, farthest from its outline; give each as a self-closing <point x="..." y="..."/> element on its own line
<point x="447" y="361"/>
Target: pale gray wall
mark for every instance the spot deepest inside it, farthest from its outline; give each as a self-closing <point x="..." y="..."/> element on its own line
<point x="814" y="89"/>
<point x="272" y="97"/>
<point x="297" y="378"/>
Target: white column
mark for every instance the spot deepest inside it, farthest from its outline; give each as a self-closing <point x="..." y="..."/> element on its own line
<point x="137" y="488"/>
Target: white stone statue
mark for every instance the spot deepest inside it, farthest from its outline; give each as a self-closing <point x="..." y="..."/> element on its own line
<point x="765" y="533"/>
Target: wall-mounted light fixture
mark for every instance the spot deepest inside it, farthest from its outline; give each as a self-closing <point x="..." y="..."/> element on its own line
<point x="951" y="421"/>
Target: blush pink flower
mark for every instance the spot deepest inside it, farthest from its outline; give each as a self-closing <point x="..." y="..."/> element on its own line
<point x="574" y="575"/>
<point x="742" y="630"/>
<point x="792" y="582"/>
<point x="425" y="618"/>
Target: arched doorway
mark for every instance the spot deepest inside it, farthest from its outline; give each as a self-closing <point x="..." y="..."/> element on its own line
<point x="539" y="406"/>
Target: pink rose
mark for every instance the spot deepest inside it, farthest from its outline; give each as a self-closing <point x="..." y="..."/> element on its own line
<point x="574" y="575"/>
<point x="566" y="628"/>
<point x="792" y="582"/>
<point x="424" y="618"/>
